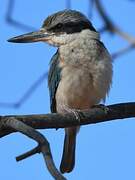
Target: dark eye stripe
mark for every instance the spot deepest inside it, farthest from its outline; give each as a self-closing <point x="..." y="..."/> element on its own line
<point x="72" y="27"/>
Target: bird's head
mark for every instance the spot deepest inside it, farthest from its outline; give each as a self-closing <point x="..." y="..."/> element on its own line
<point x="58" y="29"/>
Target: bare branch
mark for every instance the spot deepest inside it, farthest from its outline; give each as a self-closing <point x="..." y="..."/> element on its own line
<point x="27" y="94"/>
<point x="43" y="145"/>
<point x="27" y="124"/>
<point x="110" y="26"/>
<point x="90" y="8"/>
<point x="28" y="154"/>
<point x="123" y="51"/>
<point x="55" y="120"/>
<point x="10" y="20"/>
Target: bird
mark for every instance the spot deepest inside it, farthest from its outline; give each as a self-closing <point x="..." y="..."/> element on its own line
<point x="80" y="74"/>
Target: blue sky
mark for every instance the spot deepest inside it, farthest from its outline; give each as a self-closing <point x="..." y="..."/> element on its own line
<point x="104" y="151"/>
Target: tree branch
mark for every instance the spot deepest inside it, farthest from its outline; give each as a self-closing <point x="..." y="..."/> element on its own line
<point x="27" y="94"/>
<point x="54" y="120"/>
<point x="122" y="51"/>
<point x="43" y="144"/>
<point x="109" y="24"/>
<point x="27" y="124"/>
<point x="15" y="23"/>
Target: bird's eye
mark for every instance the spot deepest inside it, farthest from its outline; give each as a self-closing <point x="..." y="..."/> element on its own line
<point x="60" y="25"/>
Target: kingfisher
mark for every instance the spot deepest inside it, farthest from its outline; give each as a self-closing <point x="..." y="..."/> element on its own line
<point x="80" y="73"/>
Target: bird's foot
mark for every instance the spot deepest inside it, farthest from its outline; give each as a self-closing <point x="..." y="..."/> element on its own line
<point x="101" y="106"/>
<point x="76" y="112"/>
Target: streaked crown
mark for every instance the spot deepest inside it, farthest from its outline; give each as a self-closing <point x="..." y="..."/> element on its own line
<point x="69" y="21"/>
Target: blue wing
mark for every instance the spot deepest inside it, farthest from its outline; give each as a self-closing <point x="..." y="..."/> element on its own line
<point x="53" y="80"/>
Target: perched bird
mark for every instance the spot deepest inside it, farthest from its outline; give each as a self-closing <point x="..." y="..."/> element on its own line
<point x="80" y="72"/>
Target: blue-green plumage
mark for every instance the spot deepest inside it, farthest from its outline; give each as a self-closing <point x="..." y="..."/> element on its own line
<point x="53" y="80"/>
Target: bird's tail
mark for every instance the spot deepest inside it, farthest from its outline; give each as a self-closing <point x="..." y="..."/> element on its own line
<point x="68" y="157"/>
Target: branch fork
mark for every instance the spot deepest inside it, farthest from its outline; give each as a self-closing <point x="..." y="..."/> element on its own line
<point x="27" y="125"/>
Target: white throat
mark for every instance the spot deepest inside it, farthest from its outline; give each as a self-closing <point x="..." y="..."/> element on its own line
<point x="63" y="39"/>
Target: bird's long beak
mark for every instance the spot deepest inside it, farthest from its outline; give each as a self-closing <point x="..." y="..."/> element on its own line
<point x="36" y="36"/>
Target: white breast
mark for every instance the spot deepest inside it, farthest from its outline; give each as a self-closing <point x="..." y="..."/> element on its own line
<point x="76" y="90"/>
<point x="86" y="74"/>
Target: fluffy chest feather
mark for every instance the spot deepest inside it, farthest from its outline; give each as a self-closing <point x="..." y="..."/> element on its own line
<point x="75" y="89"/>
<point x="86" y="74"/>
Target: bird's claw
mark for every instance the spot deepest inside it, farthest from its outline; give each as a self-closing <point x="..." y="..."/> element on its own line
<point x="77" y="114"/>
<point x="102" y="106"/>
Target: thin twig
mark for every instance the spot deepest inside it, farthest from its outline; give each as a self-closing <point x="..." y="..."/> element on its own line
<point x="110" y="26"/>
<point x="27" y="94"/>
<point x="90" y="8"/>
<point x="123" y="51"/>
<point x="28" y="154"/>
<point x="10" y="20"/>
